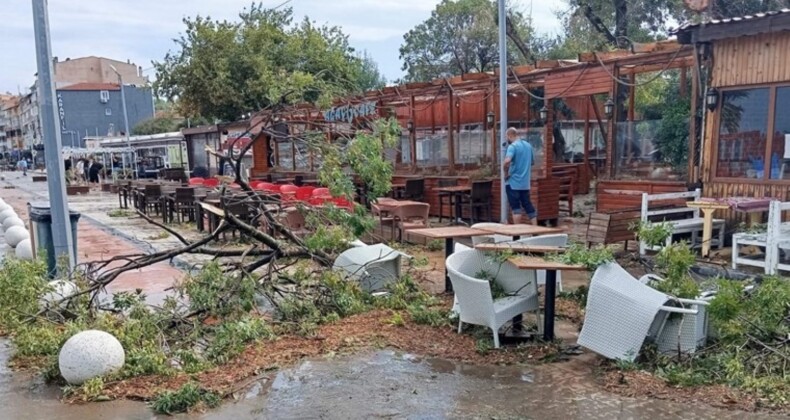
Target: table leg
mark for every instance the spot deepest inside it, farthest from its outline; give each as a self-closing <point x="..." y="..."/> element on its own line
<point x="448" y="250"/>
<point x="459" y="211"/>
<point x="550" y="294"/>
<point x="755" y="218"/>
<point x="707" y="231"/>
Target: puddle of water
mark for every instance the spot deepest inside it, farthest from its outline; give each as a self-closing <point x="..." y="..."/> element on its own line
<point x="383" y="384"/>
<point x="386" y="384"/>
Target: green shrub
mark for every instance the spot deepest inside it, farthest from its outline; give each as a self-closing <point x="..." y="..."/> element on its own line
<point x="184" y="399"/>
<point x="424" y="315"/>
<point x="21" y="285"/>
<point x="230" y="338"/>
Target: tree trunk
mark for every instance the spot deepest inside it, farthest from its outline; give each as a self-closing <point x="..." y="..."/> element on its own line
<point x="621" y="23"/>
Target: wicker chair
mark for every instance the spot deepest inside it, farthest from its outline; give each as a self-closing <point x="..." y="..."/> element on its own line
<point x="476" y="303"/>
<point x="410" y="216"/>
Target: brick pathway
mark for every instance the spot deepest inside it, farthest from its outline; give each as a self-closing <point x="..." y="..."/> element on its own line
<point x="96" y="244"/>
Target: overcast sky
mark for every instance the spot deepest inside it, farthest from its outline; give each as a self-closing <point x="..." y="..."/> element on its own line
<point x="143" y="30"/>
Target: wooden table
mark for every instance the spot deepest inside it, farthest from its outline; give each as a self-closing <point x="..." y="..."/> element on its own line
<point x="707" y="208"/>
<point x="457" y="192"/>
<point x="753" y="206"/>
<point x="520" y="248"/>
<point x="517" y="231"/>
<point x="550" y="292"/>
<point x="397" y="189"/>
<point x="448" y="234"/>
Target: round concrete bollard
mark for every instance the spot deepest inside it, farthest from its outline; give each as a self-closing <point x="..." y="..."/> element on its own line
<point x="5" y="214"/>
<point x="88" y="355"/>
<point x="12" y="221"/>
<point x="24" y="250"/>
<point x="3" y="205"/>
<point x="16" y="234"/>
<point x="59" y="289"/>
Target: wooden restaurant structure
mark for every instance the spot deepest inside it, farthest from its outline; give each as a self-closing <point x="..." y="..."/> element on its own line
<point x="579" y="116"/>
<point x="745" y="63"/>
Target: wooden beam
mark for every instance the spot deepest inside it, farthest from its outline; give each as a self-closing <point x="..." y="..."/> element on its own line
<point x="744" y="27"/>
<point x="666" y="45"/>
<point x="417" y="85"/>
<point x="413" y="134"/>
<point x="647" y="68"/>
<point x="589" y="57"/>
<point x="522" y="70"/>
<point x="476" y="76"/>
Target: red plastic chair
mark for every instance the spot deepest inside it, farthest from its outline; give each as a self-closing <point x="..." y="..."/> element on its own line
<point x="254" y="184"/>
<point x="234" y="186"/>
<point x="288" y="189"/>
<point x="196" y="181"/>
<point x="343" y="203"/>
<point x="321" y="192"/>
<point x="211" y="183"/>
<point x="304" y="193"/>
<point x="269" y="187"/>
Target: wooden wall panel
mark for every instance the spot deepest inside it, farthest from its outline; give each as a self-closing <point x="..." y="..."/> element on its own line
<point x="751" y="60"/>
<point x="570" y="83"/>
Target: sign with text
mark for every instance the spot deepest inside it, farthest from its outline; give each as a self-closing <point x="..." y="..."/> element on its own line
<point x="348" y="113"/>
<point x="61" y="113"/>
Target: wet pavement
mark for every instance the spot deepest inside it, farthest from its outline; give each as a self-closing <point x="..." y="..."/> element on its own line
<point x="384" y="384"/>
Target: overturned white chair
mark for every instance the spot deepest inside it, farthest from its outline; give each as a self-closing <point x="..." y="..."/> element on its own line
<point x="560" y="240"/>
<point x="493" y="238"/>
<point x="373" y="266"/>
<point x="476" y="303"/>
<point x="621" y="311"/>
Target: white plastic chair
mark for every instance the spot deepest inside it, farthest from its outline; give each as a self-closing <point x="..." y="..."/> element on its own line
<point x="487" y="239"/>
<point x="373" y="266"/>
<point x="621" y="311"/>
<point x="560" y="240"/>
<point x="476" y="303"/>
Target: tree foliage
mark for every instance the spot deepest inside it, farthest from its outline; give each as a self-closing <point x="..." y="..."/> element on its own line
<point x="459" y="37"/>
<point x="157" y="125"/>
<point x="225" y="69"/>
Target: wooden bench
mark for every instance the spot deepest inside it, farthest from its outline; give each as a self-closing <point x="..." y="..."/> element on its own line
<point x="775" y="239"/>
<point x="683" y="219"/>
<point x="614" y="227"/>
<point x="39" y="178"/>
<point x="568" y="177"/>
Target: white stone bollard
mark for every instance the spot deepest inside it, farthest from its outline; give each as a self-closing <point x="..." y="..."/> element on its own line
<point x="16" y="234"/>
<point x="90" y="354"/>
<point x="12" y="221"/>
<point x="60" y="289"/>
<point x="24" y="250"/>
<point x="5" y="214"/>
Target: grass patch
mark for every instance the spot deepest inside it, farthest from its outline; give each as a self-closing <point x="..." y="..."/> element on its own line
<point x="119" y="213"/>
<point x="188" y="398"/>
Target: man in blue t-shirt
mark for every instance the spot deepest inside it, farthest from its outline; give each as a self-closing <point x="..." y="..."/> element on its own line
<point x="518" y="170"/>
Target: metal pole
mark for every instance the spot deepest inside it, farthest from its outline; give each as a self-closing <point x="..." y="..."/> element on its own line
<point x="502" y="108"/>
<point x="123" y="104"/>
<point x="61" y="223"/>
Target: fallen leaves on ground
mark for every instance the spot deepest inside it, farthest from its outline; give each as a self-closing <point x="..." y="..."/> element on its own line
<point x="644" y="384"/>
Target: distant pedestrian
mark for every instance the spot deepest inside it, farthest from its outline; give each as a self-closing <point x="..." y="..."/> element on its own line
<point x="80" y="169"/>
<point x="93" y="172"/>
<point x="22" y="166"/>
<point x="518" y="171"/>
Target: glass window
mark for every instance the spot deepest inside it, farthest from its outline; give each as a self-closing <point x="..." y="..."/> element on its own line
<point x="743" y="133"/>
<point x="285" y="154"/>
<point x="780" y="149"/>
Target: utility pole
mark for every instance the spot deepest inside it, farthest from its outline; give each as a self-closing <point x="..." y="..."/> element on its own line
<point x="502" y="107"/>
<point x="125" y="115"/>
<point x="56" y="181"/>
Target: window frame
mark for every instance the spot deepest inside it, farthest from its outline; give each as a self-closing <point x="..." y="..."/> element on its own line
<point x="771" y="124"/>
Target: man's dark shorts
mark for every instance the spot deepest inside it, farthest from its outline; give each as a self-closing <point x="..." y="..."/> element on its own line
<point x="520" y="202"/>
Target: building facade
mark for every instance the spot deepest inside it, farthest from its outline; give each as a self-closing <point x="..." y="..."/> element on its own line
<point x="96" y="109"/>
<point x="97" y="70"/>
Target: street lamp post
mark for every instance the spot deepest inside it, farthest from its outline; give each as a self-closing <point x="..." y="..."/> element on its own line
<point x="125" y="115"/>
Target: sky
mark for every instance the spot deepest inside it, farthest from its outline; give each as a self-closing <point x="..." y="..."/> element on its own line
<point x="143" y="30"/>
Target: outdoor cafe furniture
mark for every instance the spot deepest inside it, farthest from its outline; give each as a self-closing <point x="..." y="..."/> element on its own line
<point x="478" y="199"/>
<point x="414" y="190"/>
<point x="774" y="240"/>
<point x="374" y="267"/>
<point x="449" y="234"/>
<point x="534" y="266"/>
<point x="476" y="303"/>
<point x="410" y="216"/>
<point x="621" y="312"/>
<point x="445" y="196"/>
<point x="707" y="208"/>
<point x="557" y="240"/>
<point x="489" y="238"/>
<point x="457" y="193"/>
